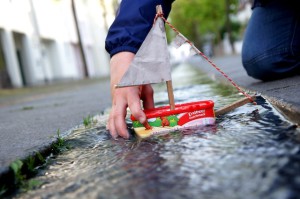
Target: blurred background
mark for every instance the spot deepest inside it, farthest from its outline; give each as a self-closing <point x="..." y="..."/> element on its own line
<point x="46" y="41"/>
<point x="215" y="27"/>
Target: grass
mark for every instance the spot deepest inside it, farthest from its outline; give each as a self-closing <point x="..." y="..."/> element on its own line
<point x="23" y="170"/>
<point x="88" y="121"/>
<point x="26" y="108"/>
<point x="60" y="145"/>
<point x="16" y="167"/>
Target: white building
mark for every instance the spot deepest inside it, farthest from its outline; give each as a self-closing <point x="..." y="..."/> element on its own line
<point x="39" y="41"/>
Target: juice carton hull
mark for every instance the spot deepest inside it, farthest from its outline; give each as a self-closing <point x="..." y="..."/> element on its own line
<point x="163" y="120"/>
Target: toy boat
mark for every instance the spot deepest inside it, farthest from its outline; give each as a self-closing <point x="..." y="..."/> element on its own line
<point x="163" y="119"/>
<point x="150" y="65"/>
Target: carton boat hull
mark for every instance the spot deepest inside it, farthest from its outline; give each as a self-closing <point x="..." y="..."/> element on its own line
<point x="163" y="120"/>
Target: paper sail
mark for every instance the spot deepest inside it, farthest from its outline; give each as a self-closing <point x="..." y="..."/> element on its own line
<point x="179" y="40"/>
<point x="193" y="51"/>
<point x="151" y="63"/>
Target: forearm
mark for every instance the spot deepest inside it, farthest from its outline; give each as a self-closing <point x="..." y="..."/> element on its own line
<point x="119" y="64"/>
<point x="132" y="24"/>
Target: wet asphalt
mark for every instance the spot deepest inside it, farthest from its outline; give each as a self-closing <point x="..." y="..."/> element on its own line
<point x="29" y="123"/>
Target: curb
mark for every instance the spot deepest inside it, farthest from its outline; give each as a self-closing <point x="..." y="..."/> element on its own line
<point x="291" y="112"/>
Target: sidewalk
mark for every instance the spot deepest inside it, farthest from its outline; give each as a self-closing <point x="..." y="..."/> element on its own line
<point x="30" y="117"/>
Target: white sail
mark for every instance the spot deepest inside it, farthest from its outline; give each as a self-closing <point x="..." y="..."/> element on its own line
<point x="151" y="63"/>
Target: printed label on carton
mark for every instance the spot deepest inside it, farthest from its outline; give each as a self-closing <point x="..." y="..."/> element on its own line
<point x="172" y="122"/>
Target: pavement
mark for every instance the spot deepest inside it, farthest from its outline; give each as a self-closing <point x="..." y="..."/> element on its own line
<point x="30" y="117"/>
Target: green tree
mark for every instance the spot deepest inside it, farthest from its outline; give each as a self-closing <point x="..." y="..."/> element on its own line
<point x="230" y="8"/>
<point x="198" y="18"/>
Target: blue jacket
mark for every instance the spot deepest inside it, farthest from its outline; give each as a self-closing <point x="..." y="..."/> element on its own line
<point x="133" y="22"/>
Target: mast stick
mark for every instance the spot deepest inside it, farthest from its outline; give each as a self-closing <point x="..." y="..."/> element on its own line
<point x="170" y="94"/>
<point x="159" y="11"/>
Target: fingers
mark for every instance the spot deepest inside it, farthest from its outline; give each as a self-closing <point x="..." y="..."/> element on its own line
<point x="111" y="127"/>
<point x="146" y="94"/>
<point x="130" y="97"/>
<point x="116" y="124"/>
<point x="135" y="106"/>
<point x="147" y="97"/>
<point x="119" y="120"/>
<point x="119" y="64"/>
<point x="124" y="97"/>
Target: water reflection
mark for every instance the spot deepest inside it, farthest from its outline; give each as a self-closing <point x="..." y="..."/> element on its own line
<point x="251" y="152"/>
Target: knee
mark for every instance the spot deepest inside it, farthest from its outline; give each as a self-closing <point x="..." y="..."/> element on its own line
<point x="257" y="70"/>
<point x="269" y="67"/>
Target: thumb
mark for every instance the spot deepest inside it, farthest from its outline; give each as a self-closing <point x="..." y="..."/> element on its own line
<point x="141" y="117"/>
<point x="138" y="113"/>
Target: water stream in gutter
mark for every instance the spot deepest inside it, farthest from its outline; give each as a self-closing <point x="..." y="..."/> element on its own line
<point x="251" y="152"/>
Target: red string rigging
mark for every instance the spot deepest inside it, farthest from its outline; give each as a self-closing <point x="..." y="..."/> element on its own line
<point x="160" y="14"/>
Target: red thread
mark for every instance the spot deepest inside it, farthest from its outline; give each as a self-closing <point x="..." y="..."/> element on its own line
<point x="207" y="59"/>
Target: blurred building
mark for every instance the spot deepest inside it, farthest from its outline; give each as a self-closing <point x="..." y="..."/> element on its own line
<point x="52" y="40"/>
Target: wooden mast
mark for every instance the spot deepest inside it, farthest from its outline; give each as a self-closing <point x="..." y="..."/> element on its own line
<point x="170" y="94"/>
<point x="159" y="11"/>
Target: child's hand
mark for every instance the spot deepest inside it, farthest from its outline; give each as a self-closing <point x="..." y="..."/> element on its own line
<point x="126" y="97"/>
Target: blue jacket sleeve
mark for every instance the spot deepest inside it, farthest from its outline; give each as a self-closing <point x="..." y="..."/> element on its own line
<point x="133" y="22"/>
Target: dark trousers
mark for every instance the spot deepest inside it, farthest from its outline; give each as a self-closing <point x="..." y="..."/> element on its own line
<point x="271" y="48"/>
